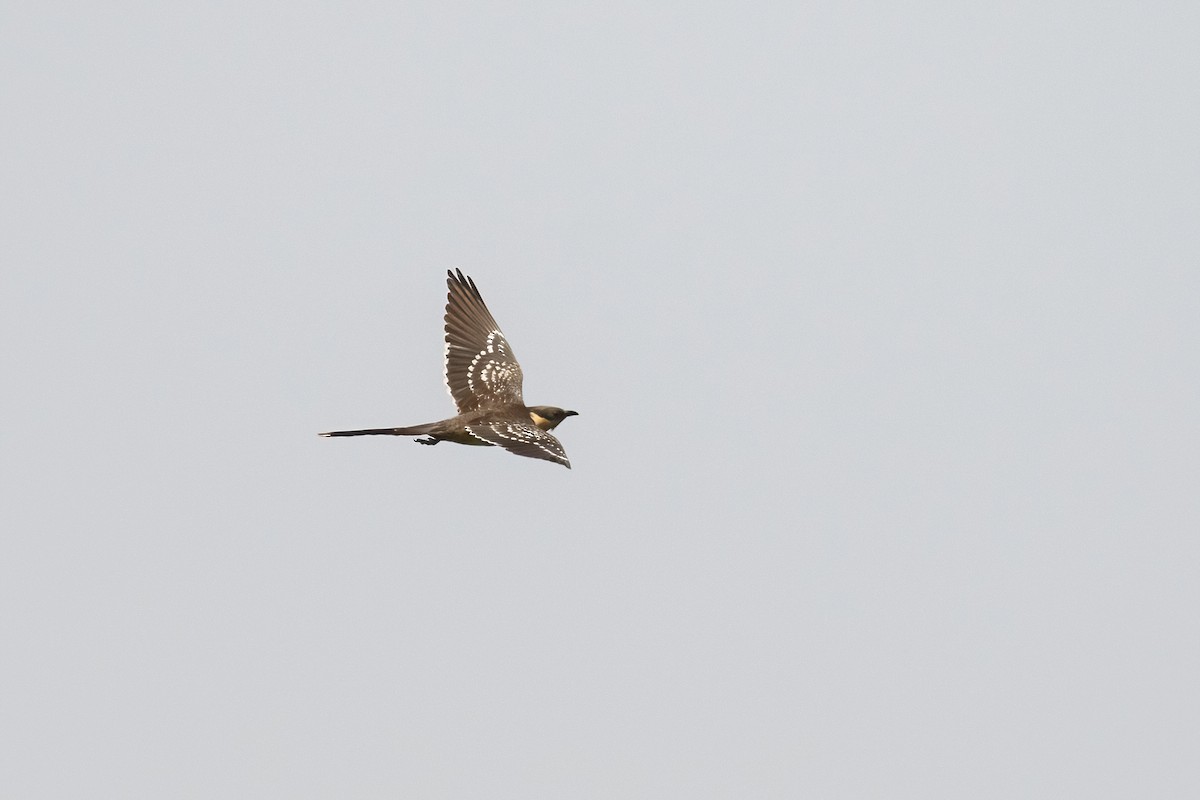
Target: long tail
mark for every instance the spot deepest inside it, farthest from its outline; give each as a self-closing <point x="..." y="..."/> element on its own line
<point x="415" y="430"/>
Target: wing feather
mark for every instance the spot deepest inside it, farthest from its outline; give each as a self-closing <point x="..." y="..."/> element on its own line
<point x="522" y="438"/>
<point x="481" y="370"/>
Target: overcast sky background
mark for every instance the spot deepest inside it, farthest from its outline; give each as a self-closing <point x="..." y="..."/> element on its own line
<point x="881" y="321"/>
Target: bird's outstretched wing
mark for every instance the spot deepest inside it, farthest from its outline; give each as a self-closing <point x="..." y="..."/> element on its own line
<point x="522" y="438"/>
<point x="481" y="370"/>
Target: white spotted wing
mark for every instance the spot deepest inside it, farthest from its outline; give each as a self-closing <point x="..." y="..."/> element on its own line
<point x="481" y="370"/>
<point x="522" y="438"/>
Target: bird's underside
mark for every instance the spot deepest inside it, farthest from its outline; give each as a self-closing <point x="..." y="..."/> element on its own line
<point x="484" y="378"/>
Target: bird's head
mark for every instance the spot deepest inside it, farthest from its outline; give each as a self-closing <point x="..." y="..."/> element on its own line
<point x="548" y="417"/>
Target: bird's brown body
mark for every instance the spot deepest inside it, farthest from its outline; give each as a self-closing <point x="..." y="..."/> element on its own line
<point x="484" y="379"/>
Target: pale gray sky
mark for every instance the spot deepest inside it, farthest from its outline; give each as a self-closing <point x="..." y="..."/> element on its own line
<point x="881" y="321"/>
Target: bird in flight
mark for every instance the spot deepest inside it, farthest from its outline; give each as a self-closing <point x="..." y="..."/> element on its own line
<point x="484" y="378"/>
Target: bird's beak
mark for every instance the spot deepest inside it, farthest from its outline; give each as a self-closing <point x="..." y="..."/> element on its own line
<point x="570" y="413"/>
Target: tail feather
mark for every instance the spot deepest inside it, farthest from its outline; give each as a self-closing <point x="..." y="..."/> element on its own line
<point x="415" y="430"/>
